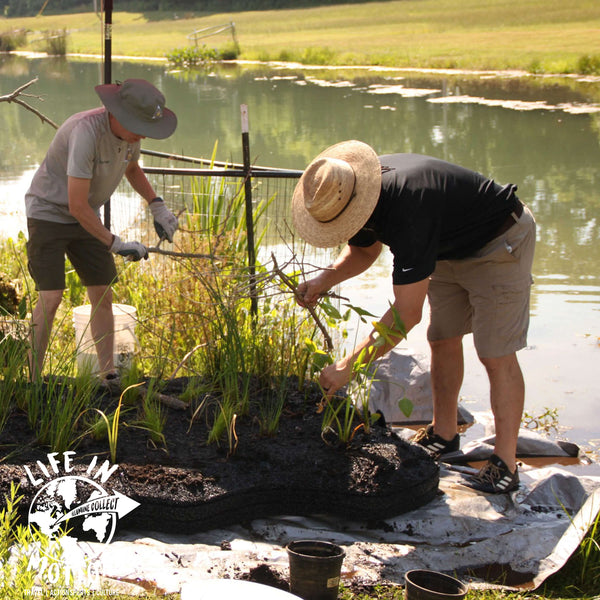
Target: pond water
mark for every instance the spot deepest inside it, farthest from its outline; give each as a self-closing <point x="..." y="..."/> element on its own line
<point x="541" y="135"/>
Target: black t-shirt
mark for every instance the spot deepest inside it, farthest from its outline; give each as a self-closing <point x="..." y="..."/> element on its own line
<point x="431" y="210"/>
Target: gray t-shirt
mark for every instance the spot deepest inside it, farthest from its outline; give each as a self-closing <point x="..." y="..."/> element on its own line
<point x="84" y="147"/>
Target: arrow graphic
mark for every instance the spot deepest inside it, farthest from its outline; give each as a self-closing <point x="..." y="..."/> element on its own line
<point x="117" y="503"/>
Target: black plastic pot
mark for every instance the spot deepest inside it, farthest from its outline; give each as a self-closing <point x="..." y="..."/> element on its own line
<point x="431" y="585"/>
<point x="315" y="568"/>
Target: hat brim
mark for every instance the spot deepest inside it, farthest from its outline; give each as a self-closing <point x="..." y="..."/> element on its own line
<point x="367" y="187"/>
<point x="159" y="129"/>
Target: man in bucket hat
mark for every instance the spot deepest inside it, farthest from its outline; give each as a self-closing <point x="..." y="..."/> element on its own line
<point x="88" y="157"/>
<point x="457" y="238"/>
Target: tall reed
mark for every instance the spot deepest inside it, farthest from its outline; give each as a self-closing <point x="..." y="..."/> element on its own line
<point x="13" y="360"/>
<point x="55" y="42"/>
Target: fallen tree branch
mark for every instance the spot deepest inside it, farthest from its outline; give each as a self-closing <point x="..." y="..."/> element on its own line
<point x="16" y="98"/>
<point x="290" y="284"/>
<point x="184" y="359"/>
<point x="165" y="399"/>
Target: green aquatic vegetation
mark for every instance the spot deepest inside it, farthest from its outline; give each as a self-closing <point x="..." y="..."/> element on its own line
<point x="12" y="40"/>
<point x="546" y="422"/>
<point x="192" y="56"/>
<point x="55" y="42"/>
<point x="589" y="64"/>
<point x="270" y="407"/>
<point x="152" y="418"/>
<point x="99" y="426"/>
<point x="131" y="376"/>
<point x="589" y="556"/>
<point x="54" y="408"/>
<point x="113" y="423"/>
<point x="14" y="345"/>
<point x="339" y="424"/>
<point x="194" y="389"/>
<point x="364" y="369"/>
<point x="224" y="427"/>
<point x="337" y="417"/>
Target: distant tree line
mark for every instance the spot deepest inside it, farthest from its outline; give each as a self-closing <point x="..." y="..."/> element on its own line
<point x="23" y="8"/>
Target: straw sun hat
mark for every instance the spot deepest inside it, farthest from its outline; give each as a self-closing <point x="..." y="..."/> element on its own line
<point x="336" y="194"/>
<point x="139" y="107"/>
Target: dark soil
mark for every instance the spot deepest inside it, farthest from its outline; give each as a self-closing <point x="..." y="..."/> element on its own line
<point x="187" y="485"/>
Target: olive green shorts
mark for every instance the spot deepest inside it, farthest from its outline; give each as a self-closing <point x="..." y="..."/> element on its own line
<point x="49" y="243"/>
<point x="487" y="294"/>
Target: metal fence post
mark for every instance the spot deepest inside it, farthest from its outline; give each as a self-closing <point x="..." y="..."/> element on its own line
<point x="108" y="23"/>
<point x="249" y="212"/>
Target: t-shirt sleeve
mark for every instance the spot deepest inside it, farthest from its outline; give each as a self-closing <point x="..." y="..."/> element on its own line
<point x="363" y="239"/>
<point x="137" y="152"/>
<point x="402" y="275"/>
<point x="415" y="250"/>
<point x="82" y="152"/>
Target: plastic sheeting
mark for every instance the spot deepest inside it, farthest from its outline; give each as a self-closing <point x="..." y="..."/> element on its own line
<point x="405" y="373"/>
<point x="513" y="540"/>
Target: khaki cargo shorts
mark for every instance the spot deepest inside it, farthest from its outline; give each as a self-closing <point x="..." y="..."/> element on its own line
<point x="487" y="294"/>
<point x="48" y="244"/>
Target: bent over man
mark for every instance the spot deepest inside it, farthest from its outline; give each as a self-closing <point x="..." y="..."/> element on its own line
<point x="459" y="239"/>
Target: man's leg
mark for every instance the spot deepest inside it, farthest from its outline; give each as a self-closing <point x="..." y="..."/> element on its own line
<point x="501" y="282"/>
<point x="102" y="325"/>
<point x="41" y="328"/>
<point x="447" y="369"/>
<point x="507" y="395"/>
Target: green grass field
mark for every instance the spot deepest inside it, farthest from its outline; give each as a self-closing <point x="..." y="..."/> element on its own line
<point x="551" y="36"/>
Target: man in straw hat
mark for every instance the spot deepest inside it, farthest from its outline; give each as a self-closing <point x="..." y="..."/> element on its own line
<point x="88" y="157"/>
<point x="457" y="238"/>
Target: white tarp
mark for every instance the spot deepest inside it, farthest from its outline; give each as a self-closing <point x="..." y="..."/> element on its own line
<point x="405" y="373"/>
<point x="511" y="540"/>
<point x="515" y="540"/>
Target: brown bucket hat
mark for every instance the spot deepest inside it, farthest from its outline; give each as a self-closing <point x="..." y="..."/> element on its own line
<point x="139" y="107"/>
<point x="336" y="194"/>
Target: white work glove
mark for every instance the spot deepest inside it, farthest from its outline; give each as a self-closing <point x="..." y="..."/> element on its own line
<point x="130" y="250"/>
<point x="165" y="222"/>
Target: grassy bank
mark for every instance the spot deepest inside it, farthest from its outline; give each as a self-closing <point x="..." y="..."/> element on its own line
<point x="534" y="35"/>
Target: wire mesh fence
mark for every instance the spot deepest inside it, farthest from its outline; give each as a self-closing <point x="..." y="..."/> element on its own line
<point x="208" y="200"/>
<point x="207" y="189"/>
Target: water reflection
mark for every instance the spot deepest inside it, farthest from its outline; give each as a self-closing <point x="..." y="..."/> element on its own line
<point x="552" y="154"/>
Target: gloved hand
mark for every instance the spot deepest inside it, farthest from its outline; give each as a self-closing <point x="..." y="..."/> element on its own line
<point x="130" y="250"/>
<point x="165" y="222"/>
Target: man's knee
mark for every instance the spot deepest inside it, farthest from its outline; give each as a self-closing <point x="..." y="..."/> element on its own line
<point x="446" y="345"/>
<point x="100" y="296"/>
<point x="49" y="301"/>
<point x="509" y="362"/>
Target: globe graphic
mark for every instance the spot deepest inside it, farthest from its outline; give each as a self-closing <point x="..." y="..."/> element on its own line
<point x="55" y="500"/>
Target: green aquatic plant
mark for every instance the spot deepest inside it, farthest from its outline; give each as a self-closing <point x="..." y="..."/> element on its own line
<point x="113" y="423"/>
<point x="152" y="418"/>
<point x="546" y="422"/>
<point x="339" y="425"/>
<point x="337" y="417"/>
<point x="54" y="407"/>
<point x="14" y="345"/>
